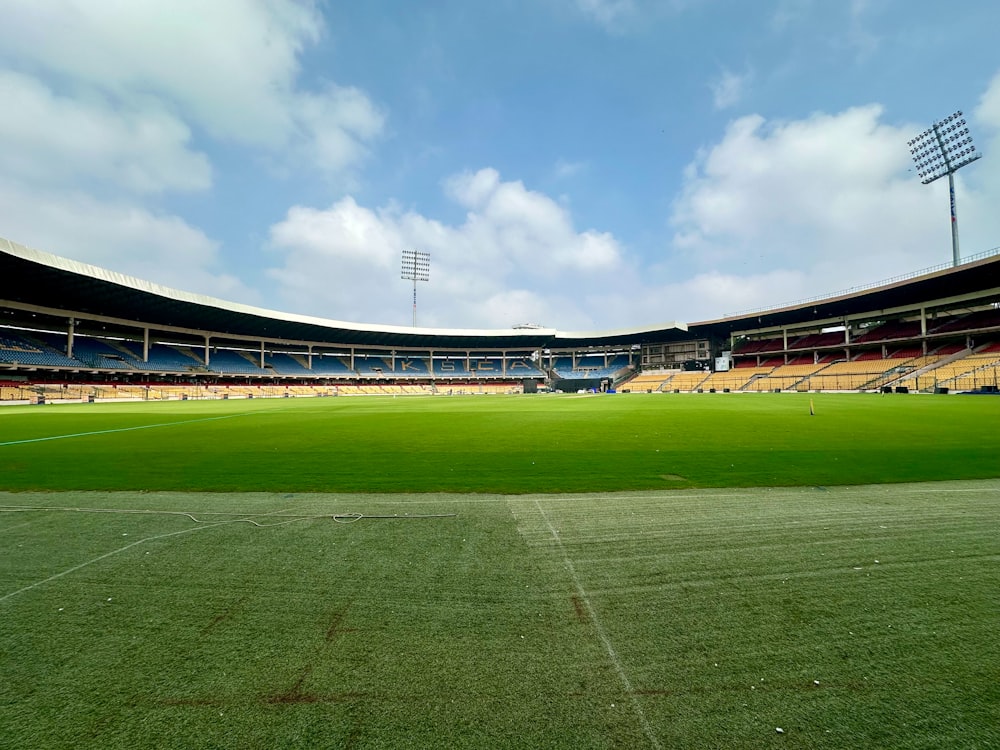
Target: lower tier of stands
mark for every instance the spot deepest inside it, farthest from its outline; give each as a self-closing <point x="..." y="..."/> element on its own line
<point x="955" y="371"/>
<point x="93" y="392"/>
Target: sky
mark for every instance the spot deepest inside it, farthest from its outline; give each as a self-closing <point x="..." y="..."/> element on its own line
<point x="585" y="165"/>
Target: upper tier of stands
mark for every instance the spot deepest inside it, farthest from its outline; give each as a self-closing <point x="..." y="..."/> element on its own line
<point x="162" y="358"/>
<point x="893" y="330"/>
<point x="99" y="354"/>
<point x="982" y="319"/>
<point x="816" y="340"/>
<point x="872" y="341"/>
<point x="760" y="346"/>
<point x="237" y="363"/>
<point x="286" y="364"/>
<point x="25" y="350"/>
<point x="329" y="365"/>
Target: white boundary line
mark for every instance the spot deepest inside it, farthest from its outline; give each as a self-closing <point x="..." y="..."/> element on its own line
<point x="75" y="568"/>
<point x="612" y="654"/>
<point x="122" y="429"/>
<point x="16" y="526"/>
<point x="101" y="557"/>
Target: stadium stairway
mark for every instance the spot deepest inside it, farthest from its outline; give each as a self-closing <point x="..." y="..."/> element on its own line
<point x="758" y="382"/>
<point x="912" y="379"/>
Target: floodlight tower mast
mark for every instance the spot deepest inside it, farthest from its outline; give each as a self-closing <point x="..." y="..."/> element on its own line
<point x="943" y="149"/>
<point x="416" y="267"/>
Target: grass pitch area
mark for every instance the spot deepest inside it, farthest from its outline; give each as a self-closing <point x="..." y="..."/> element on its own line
<point x="845" y="616"/>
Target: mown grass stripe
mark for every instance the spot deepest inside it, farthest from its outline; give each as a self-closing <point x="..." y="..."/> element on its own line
<point x="459" y="446"/>
<point x="106" y="555"/>
<point x="121" y="429"/>
<point x="601" y="633"/>
<point x="114" y="552"/>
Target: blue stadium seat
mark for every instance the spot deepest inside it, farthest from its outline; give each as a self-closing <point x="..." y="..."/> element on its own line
<point x="28" y="350"/>
<point x="228" y="362"/>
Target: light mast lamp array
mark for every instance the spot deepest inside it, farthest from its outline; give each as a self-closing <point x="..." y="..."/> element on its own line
<point x="943" y="149"/>
<point x="416" y="267"/>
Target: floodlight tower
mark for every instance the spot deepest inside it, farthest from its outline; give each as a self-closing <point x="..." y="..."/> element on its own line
<point x="943" y="149"/>
<point x="416" y="267"/>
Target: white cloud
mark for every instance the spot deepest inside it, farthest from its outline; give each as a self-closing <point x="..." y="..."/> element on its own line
<point x="108" y="108"/>
<point x="360" y="234"/>
<point x="470" y="189"/>
<point x="118" y="236"/>
<point x="531" y="306"/>
<point x="828" y="197"/>
<point x="716" y="293"/>
<point x="336" y="126"/>
<point x="55" y="139"/>
<point x="564" y="169"/>
<point x="229" y="67"/>
<point x="514" y="258"/>
<point x="608" y="13"/>
<point x="859" y="36"/>
<point x="729" y="88"/>
<point x="527" y="226"/>
<point x="988" y="111"/>
<point x="978" y="211"/>
<point x="788" y="12"/>
<point x="817" y="172"/>
<point x="124" y="98"/>
<point x="844" y="28"/>
<point x="704" y="296"/>
<point x="774" y="212"/>
<point x="985" y="127"/>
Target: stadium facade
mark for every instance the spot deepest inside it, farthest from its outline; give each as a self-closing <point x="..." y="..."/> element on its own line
<point x="69" y="323"/>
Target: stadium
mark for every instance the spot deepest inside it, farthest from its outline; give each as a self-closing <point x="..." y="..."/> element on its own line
<point x="233" y="527"/>
<point x="74" y="332"/>
<point x="695" y="444"/>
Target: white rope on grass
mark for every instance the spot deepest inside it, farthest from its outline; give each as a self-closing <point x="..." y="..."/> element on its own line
<point x="243" y="517"/>
<point x="5" y="597"/>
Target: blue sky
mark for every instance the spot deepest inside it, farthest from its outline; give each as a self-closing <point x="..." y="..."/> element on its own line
<point x="581" y="164"/>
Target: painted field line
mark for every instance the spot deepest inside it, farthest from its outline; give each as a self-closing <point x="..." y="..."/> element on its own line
<point x="907" y="488"/>
<point x="16" y="526"/>
<point x="601" y="633"/>
<point x="102" y="557"/>
<point x="113" y="552"/>
<point x="122" y="429"/>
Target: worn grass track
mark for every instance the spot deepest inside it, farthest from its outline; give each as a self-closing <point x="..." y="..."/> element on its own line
<point x="685" y="618"/>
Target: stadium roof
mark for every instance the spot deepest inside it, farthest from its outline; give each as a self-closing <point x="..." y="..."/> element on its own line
<point x="946" y="285"/>
<point x="34" y="280"/>
<point x="39" y="282"/>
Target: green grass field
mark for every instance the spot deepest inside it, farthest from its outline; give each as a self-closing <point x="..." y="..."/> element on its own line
<point x="628" y="571"/>
<point x="500" y="444"/>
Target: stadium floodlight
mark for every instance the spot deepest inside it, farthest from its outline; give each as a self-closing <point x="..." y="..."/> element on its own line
<point x="943" y="149"/>
<point x="416" y="267"/>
